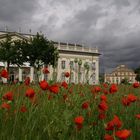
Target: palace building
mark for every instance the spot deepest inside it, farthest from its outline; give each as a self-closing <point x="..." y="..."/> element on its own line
<point x="119" y="74"/>
<point x="81" y="62"/>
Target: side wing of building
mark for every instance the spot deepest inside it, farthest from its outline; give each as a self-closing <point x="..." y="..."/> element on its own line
<point x="120" y="73"/>
<point x="81" y="62"/>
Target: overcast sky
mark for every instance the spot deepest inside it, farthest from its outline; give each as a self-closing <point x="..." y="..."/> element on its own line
<point x="111" y="25"/>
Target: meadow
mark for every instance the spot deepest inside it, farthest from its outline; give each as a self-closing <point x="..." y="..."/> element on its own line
<point x="61" y="111"/>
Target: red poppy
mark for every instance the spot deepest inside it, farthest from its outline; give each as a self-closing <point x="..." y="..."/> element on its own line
<point x="43" y="85"/>
<point x="103" y="98"/>
<point x="5" y="106"/>
<point x="108" y="137"/>
<point x="79" y="120"/>
<point x="64" y="84"/>
<point x="103" y="106"/>
<point x="54" y="88"/>
<point x="30" y="93"/>
<point x="27" y="81"/>
<point x="85" y="105"/>
<point x="102" y="116"/>
<point x="132" y="98"/>
<point x="45" y="70"/>
<point x="125" y="101"/>
<point x="115" y="123"/>
<point x="136" y="85"/>
<point x="79" y="126"/>
<point x="113" y="88"/>
<point x="123" y="134"/>
<point x="4" y="73"/>
<point x="67" y="74"/>
<point x="97" y="89"/>
<point x="105" y="92"/>
<point x="105" y="85"/>
<point x="138" y="116"/>
<point x="23" y="109"/>
<point x="8" y="96"/>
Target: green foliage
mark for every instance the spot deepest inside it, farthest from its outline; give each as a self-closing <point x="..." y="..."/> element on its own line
<point x="37" y="51"/>
<point x="125" y="81"/>
<point x="41" y="51"/>
<point x="9" y="51"/>
<point x="54" y="119"/>
<point x="137" y="71"/>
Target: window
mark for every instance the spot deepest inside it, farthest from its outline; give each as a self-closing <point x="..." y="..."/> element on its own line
<point x="71" y="64"/>
<point x="72" y="77"/>
<point x="93" y="78"/>
<point x="93" y="65"/>
<point x="62" y="76"/>
<point x="63" y="64"/>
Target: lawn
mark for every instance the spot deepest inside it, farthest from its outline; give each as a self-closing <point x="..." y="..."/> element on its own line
<point x="69" y="112"/>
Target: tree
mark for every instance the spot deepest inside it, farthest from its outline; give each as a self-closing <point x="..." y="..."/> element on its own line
<point x="11" y="52"/>
<point x="137" y="71"/>
<point x="41" y="52"/>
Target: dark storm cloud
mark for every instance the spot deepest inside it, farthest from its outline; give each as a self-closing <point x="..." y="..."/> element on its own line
<point x="112" y="25"/>
<point x="16" y="13"/>
<point x="120" y="3"/>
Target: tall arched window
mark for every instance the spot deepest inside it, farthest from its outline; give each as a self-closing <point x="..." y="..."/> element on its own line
<point x="72" y="77"/>
<point x="62" y="76"/>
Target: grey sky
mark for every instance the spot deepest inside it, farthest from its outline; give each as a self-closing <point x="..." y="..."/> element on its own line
<point x="112" y="25"/>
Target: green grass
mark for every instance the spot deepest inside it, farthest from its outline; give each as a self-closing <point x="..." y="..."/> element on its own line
<point x="54" y="119"/>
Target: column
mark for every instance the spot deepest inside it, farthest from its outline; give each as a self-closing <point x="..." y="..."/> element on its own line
<point x="59" y="70"/>
<point x="20" y="74"/>
<point x="97" y="71"/>
<point x="32" y="73"/>
<point x="42" y="74"/>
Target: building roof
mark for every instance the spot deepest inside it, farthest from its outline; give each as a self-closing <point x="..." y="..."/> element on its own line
<point x="62" y="47"/>
<point x="121" y="68"/>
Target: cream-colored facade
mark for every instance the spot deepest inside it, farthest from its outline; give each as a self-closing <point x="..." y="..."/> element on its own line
<point x="120" y="73"/>
<point x="69" y="57"/>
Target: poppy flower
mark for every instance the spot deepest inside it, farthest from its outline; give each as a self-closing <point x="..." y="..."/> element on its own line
<point x="136" y="85"/>
<point x="125" y="101"/>
<point x="103" y="106"/>
<point x="79" y="120"/>
<point x="115" y="123"/>
<point x="108" y="137"/>
<point x="113" y="88"/>
<point x="67" y="74"/>
<point x="105" y="92"/>
<point x="64" y="84"/>
<point x="132" y="98"/>
<point x="101" y="116"/>
<point x="5" y="106"/>
<point x="45" y="70"/>
<point x="27" y="81"/>
<point x="8" y="96"/>
<point x="105" y="85"/>
<point x="23" y="109"/>
<point x="123" y="134"/>
<point x="97" y="89"/>
<point x="43" y="85"/>
<point x="138" y="116"/>
<point x="30" y="93"/>
<point x="4" y="73"/>
<point x="85" y="105"/>
<point x="103" y="98"/>
<point x="54" y="88"/>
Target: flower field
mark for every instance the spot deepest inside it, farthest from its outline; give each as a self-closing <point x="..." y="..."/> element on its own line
<point x="69" y="112"/>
